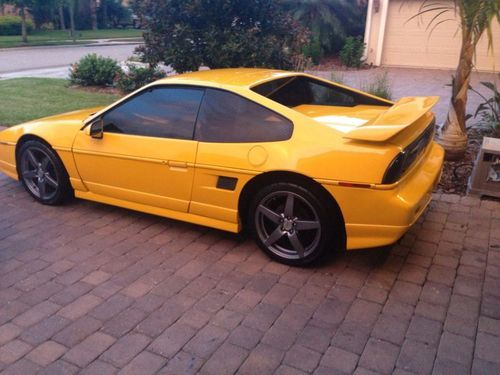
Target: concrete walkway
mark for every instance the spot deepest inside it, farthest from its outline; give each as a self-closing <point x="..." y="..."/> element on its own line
<point x="91" y="288"/>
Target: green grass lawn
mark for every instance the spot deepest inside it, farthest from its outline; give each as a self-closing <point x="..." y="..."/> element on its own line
<point x="24" y="99"/>
<point x="62" y="37"/>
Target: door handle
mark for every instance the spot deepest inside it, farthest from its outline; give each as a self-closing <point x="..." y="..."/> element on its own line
<point x="177" y="164"/>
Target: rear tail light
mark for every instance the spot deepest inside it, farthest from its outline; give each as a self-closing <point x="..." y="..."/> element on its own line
<point x="407" y="157"/>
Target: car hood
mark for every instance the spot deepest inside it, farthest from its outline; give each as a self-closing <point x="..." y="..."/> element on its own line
<point x="67" y="118"/>
<point x="58" y="130"/>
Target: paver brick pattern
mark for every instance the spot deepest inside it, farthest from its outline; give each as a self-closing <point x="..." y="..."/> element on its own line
<point x="96" y="289"/>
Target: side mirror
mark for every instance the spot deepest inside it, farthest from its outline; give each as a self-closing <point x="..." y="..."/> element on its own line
<point x="96" y="129"/>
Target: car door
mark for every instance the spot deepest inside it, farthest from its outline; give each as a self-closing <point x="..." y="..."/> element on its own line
<point x="146" y="154"/>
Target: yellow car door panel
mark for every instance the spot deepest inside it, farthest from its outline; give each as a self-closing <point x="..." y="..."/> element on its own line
<point x="146" y="154"/>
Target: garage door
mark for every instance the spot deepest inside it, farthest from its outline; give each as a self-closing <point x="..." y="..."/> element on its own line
<point x="410" y="43"/>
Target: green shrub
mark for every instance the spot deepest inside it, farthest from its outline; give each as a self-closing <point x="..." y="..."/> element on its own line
<point x="352" y="53"/>
<point x="11" y="25"/>
<point x="47" y="26"/>
<point x="187" y="34"/>
<point x="93" y="70"/>
<point x="489" y="109"/>
<point x="136" y="77"/>
<point x="313" y="50"/>
<point x="380" y="87"/>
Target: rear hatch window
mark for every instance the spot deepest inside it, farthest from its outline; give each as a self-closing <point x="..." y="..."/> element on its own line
<point x="301" y="90"/>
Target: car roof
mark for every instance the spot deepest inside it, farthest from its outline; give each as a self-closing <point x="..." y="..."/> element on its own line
<point x="241" y="77"/>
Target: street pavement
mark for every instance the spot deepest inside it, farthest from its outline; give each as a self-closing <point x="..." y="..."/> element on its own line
<point x="94" y="289"/>
<point x="54" y="62"/>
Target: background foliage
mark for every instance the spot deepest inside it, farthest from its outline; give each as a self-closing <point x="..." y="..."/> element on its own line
<point x="330" y="23"/>
<point x="187" y="34"/>
<point x="11" y="25"/>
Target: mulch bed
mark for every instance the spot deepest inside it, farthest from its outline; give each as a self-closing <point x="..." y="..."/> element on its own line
<point x="99" y="89"/>
<point x="334" y="64"/>
<point x="456" y="174"/>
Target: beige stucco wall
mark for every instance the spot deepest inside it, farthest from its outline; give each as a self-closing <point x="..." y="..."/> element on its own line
<point x="410" y="43"/>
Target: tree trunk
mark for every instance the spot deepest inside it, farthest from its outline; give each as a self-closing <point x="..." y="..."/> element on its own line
<point x="93" y="14"/>
<point x="104" y="6"/>
<point x="61" y="17"/>
<point x="24" y="32"/>
<point x="72" y="19"/>
<point x="453" y="134"/>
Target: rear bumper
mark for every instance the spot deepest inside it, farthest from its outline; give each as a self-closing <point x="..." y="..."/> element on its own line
<point x="381" y="215"/>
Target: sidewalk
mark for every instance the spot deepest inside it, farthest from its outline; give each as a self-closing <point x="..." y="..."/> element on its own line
<point x="80" y="43"/>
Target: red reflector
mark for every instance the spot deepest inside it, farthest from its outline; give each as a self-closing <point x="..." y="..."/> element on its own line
<point x="351" y="184"/>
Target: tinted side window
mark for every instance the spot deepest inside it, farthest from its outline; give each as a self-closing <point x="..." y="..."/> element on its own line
<point x="301" y="90"/>
<point x="161" y="112"/>
<point x="268" y="88"/>
<point x="229" y="118"/>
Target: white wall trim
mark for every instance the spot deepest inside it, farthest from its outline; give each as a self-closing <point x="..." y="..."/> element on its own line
<point x="368" y="28"/>
<point x="381" y="34"/>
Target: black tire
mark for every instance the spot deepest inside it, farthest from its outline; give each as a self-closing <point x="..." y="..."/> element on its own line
<point x="42" y="173"/>
<point x="302" y="235"/>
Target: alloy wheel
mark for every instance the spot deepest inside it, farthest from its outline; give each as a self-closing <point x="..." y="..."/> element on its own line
<point x="38" y="173"/>
<point x="288" y="225"/>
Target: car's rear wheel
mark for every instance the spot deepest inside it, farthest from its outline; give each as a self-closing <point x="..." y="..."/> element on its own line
<point x="292" y="225"/>
<point x="42" y="173"/>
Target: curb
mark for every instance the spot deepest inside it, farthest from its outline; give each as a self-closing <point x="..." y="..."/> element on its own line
<point x="86" y="44"/>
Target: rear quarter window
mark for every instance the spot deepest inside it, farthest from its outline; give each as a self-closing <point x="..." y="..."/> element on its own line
<point x="229" y="118"/>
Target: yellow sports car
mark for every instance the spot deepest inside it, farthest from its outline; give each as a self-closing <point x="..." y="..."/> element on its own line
<point x="307" y="165"/>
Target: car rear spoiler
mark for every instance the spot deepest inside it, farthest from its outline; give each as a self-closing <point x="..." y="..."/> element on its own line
<point x="397" y="118"/>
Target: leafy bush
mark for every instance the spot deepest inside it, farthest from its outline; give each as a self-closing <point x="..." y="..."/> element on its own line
<point x="352" y="53"/>
<point x="11" y="25"/>
<point x="313" y="50"/>
<point x="489" y="109"/>
<point x="112" y="13"/>
<point x="48" y="26"/>
<point x="380" y="87"/>
<point x="136" y="77"/>
<point x="187" y="34"/>
<point x="93" y="70"/>
<point x="330" y="21"/>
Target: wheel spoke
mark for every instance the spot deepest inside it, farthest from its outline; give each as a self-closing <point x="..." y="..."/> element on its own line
<point x="45" y="163"/>
<point x="41" y="188"/>
<point x="296" y="244"/>
<point x="271" y="215"/>
<point x="306" y="225"/>
<point x="32" y="158"/>
<point x="275" y="236"/>
<point x="51" y="181"/>
<point x="29" y="174"/>
<point x="289" y="205"/>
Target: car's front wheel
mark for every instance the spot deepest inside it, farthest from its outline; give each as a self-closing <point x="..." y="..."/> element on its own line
<point x="42" y="173"/>
<point x="291" y="224"/>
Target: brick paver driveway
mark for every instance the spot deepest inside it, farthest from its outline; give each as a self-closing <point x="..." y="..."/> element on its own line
<point x="88" y="287"/>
